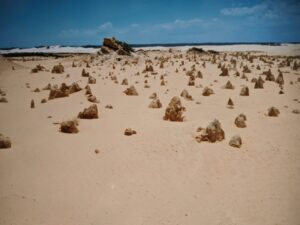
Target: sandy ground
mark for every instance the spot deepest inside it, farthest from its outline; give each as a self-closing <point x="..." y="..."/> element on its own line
<point x="161" y="175"/>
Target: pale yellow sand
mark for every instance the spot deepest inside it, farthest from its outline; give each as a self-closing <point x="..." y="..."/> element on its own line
<point x="161" y="175"/>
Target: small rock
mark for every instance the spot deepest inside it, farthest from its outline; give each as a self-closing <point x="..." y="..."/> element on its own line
<point x="240" y="121"/>
<point x="129" y="132"/>
<point x="4" y="142"/>
<point x="69" y="126"/>
<point x="236" y="141"/>
<point x="273" y="112"/>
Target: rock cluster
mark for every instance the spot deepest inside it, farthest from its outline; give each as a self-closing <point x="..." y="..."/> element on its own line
<point x="63" y="91"/>
<point x="212" y="133"/>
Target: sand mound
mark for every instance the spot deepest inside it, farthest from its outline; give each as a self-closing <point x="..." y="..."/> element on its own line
<point x="212" y="133"/>
<point x="89" y="113"/>
<point x="174" y="111"/>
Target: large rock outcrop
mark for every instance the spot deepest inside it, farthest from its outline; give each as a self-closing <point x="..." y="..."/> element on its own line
<point x="113" y="45"/>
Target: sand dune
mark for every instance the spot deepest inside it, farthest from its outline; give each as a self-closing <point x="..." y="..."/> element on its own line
<point x="161" y="174"/>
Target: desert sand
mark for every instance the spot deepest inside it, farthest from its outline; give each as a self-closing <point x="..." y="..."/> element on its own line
<point x="167" y="172"/>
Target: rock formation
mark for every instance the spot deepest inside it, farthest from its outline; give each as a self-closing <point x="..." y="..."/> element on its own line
<point x="89" y="113"/>
<point x="212" y="133"/>
<point x="174" y="111"/>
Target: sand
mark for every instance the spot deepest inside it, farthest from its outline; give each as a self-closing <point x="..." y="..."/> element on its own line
<point x="161" y="175"/>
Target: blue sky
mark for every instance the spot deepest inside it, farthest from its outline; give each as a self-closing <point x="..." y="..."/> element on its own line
<point x="25" y="23"/>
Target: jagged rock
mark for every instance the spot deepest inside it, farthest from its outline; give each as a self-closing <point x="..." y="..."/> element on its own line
<point x="69" y="126"/>
<point x="112" y="44"/>
<point x="4" y="142"/>
<point x="155" y="104"/>
<point x="224" y="71"/>
<point x="88" y="90"/>
<point x="153" y="96"/>
<point x="74" y="88"/>
<point x="186" y="95"/>
<point x="129" y="132"/>
<point x="174" y="111"/>
<point x="246" y="69"/>
<point x="148" y="68"/>
<point x="273" y="112"/>
<point x="259" y="84"/>
<point x="84" y="73"/>
<point x="32" y="104"/>
<point x="58" y="93"/>
<point x="244" y="91"/>
<point x="207" y="91"/>
<point x="279" y="79"/>
<point x="93" y="99"/>
<point x="89" y="113"/>
<point x="228" y="85"/>
<point x="240" y="121"/>
<point x="230" y="103"/>
<point x="236" y="141"/>
<point x="3" y="100"/>
<point x="92" y="80"/>
<point x="253" y="80"/>
<point x="212" y="133"/>
<point x="131" y="91"/>
<point x="191" y="82"/>
<point x="124" y="82"/>
<point x="58" y="69"/>
<point x="48" y="87"/>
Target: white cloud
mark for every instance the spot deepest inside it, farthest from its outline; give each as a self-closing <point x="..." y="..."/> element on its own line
<point x="241" y="11"/>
